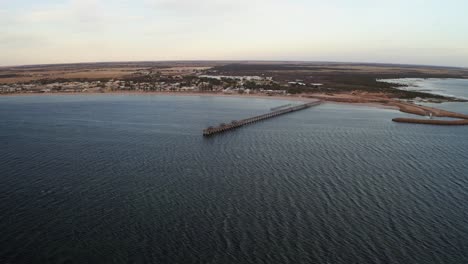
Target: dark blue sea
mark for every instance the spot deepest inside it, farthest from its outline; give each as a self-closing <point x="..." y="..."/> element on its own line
<point x="131" y="179"/>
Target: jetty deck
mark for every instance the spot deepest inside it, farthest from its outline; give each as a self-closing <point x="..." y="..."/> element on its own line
<point x="280" y="107"/>
<point x="239" y="123"/>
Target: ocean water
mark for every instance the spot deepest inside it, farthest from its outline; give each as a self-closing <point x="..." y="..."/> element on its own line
<point x="447" y="87"/>
<point x="130" y="179"/>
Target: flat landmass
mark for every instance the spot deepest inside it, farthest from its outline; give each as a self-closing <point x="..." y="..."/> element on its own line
<point x="356" y="83"/>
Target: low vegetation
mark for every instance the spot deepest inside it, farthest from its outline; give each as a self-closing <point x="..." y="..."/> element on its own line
<point x="274" y="78"/>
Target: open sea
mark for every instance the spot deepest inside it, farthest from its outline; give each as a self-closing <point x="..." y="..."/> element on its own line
<point x="131" y="179"/>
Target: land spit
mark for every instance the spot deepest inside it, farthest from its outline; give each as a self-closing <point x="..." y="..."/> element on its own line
<point x="410" y="108"/>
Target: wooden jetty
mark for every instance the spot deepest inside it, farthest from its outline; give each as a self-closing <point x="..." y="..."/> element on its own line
<point x="280" y="107"/>
<point x="239" y="123"/>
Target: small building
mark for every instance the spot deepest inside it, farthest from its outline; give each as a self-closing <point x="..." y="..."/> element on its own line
<point x="296" y="83"/>
<point x="316" y="85"/>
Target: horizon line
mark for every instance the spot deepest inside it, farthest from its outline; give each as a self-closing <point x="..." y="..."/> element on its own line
<point x="238" y="61"/>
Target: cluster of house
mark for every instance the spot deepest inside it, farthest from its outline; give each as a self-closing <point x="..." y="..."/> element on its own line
<point x="231" y="90"/>
<point x="52" y="87"/>
<point x="118" y="85"/>
<point x="11" y="88"/>
<point x="302" y="83"/>
<point x="201" y="84"/>
<point x="237" y="78"/>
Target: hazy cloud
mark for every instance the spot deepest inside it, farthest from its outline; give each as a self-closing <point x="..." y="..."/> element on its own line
<point x="362" y="30"/>
<point x="205" y="8"/>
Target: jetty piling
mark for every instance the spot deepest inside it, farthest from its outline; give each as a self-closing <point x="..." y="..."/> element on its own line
<point x="239" y="123"/>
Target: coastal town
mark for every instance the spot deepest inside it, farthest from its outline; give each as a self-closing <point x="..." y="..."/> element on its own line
<point x="340" y="83"/>
<point x="265" y="79"/>
<point x="154" y="80"/>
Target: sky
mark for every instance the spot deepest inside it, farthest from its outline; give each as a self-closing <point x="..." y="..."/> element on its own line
<point x="431" y="32"/>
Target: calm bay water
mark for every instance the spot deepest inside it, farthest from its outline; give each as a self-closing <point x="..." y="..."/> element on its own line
<point x="130" y="179"/>
<point x="447" y="87"/>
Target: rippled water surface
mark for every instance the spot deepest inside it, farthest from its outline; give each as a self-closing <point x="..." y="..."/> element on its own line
<point x="446" y="87"/>
<point x="130" y="179"/>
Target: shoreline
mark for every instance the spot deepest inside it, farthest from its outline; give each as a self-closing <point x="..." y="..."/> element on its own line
<point x="377" y="100"/>
<point x="302" y="98"/>
<point x="253" y="96"/>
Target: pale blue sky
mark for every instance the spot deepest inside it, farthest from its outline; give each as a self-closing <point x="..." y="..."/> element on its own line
<point x="56" y="31"/>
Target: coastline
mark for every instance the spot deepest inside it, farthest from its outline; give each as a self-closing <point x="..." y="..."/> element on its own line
<point x="253" y="96"/>
<point x="297" y="98"/>
<point x="377" y="100"/>
<point x="427" y="85"/>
